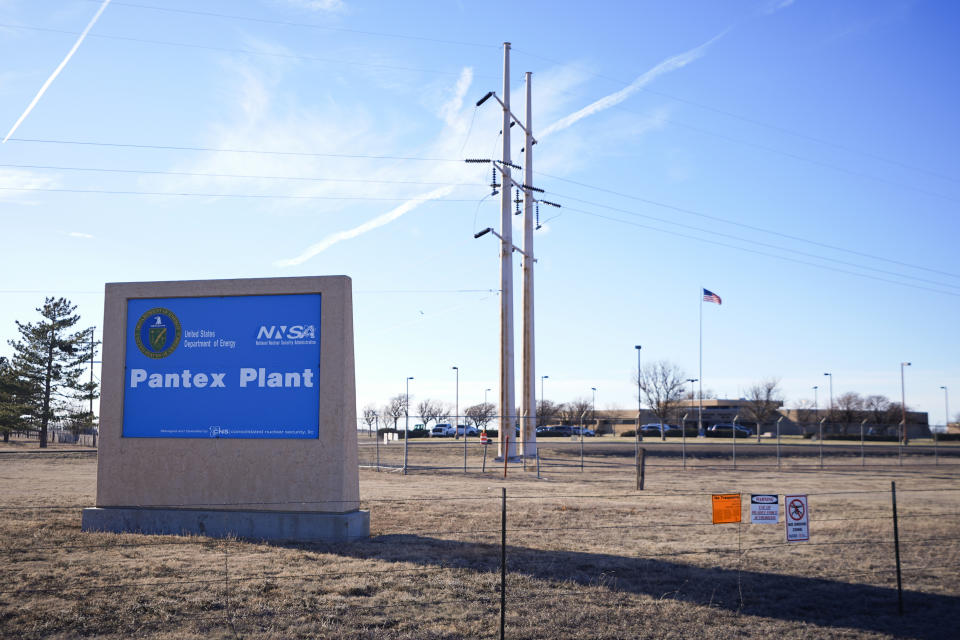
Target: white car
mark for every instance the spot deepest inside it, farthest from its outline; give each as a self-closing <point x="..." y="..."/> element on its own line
<point x="442" y="430"/>
<point x="471" y="430"/>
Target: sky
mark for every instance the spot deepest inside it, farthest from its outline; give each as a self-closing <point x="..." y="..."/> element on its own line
<point x="796" y="157"/>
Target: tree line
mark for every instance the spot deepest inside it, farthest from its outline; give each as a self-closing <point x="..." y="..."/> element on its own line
<point x="42" y="383"/>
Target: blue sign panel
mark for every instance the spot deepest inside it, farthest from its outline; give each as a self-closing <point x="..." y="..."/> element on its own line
<point x="223" y="367"/>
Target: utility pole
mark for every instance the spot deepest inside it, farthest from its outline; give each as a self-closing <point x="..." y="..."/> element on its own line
<point x="508" y="410"/>
<point x="528" y="406"/>
<point x="508" y="401"/>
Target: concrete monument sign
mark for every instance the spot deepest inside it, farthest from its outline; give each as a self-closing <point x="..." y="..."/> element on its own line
<point x="229" y="408"/>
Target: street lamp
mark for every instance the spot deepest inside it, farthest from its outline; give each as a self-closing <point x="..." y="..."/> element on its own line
<point x="406" y="427"/>
<point x="816" y="403"/>
<point x="639" y="399"/>
<point x="456" y="418"/>
<point x="542" y="378"/>
<point x="903" y="405"/>
<point x="831" y="392"/>
<point x="683" y="427"/>
<point x="485" y="392"/>
<point x="946" y="409"/>
<point x="594" y="410"/>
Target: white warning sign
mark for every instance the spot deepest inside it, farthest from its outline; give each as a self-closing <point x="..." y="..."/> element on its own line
<point x="764" y="508"/>
<point x="797" y="517"/>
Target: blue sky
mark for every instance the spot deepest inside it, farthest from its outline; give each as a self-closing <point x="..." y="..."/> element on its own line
<point x="797" y="158"/>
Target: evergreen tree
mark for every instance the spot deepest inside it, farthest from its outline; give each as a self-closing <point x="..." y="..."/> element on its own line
<point x="13" y="396"/>
<point x="49" y="358"/>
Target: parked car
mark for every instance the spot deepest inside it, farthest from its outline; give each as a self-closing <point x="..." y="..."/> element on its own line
<point x="652" y="429"/>
<point x="442" y="430"/>
<point x="587" y="433"/>
<point x="471" y="430"/>
<point x="555" y="431"/>
<point x="726" y="429"/>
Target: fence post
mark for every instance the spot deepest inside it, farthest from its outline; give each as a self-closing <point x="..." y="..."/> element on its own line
<point x="484" y="470"/>
<point x="503" y="559"/>
<point x="863" y="459"/>
<point x="903" y="430"/>
<point x="896" y="546"/>
<point x="779" y="420"/>
<point x="581" y="448"/>
<point x="734" y="432"/>
<point x="538" y="462"/>
<point x="641" y="467"/>
<point x="821" y="441"/>
<point x="506" y="448"/>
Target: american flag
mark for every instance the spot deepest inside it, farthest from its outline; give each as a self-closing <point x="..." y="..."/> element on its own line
<point x="710" y="296"/>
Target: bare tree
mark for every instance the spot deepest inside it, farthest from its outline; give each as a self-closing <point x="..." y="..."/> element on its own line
<point x="763" y="402"/>
<point x="580" y="411"/>
<point x="662" y="384"/>
<point x="546" y="412"/>
<point x="876" y="407"/>
<point x="394" y="409"/>
<point x="708" y="394"/>
<point x="370" y="416"/>
<point x="481" y="414"/>
<point x="806" y="410"/>
<point x="430" y="410"/>
<point x="849" y="407"/>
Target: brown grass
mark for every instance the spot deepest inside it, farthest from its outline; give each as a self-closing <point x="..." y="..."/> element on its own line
<point x="588" y="557"/>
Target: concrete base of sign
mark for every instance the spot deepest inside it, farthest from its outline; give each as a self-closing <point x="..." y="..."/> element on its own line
<point x="290" y="526"/>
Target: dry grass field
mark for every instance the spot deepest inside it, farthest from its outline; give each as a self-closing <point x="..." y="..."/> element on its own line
<point x="587" y="557"/>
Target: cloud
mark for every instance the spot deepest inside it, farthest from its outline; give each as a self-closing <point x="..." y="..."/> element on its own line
<point x="317" y="5"/>
<point x="370" y="225"/>
<point x="16" y="184"/>
<point x="668" y="65"/>
<point x="777" y="5"/>
<point x="79" y="234"/>
<point x="450" y="110"/>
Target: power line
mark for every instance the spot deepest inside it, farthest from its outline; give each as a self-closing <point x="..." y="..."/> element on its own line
<point x="233" y="175"/>
<point x="701" y="214"/>
<point x="747" y="119"/>
<point x="757" y="252"/>
<point x="764" y="244"/>
<point x="230" y="195"/>
<point x="302" y="154"/>
<point x="253" y="52"/>
<point x="307" y="25"/>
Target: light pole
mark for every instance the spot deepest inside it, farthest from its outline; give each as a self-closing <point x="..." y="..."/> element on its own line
<point x="485" y="392"/>
<point x="903" y="405"/>
<point x="946" y="409"/>
<point x="456" y="417"/>
<point x="594" y="410"/>
<point x="946" y="423"/>
<point x="406" y="427"/>
<point x="542" y="378"/>
<point x="830" y="413"/>
<point x="816" y="403"/>
<point x="639" y="399"/>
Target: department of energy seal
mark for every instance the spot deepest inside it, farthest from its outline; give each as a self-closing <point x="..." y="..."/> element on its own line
<point x="157" y="333"/>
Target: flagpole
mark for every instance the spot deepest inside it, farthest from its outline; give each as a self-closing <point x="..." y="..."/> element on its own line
<point x="700" y="380"/>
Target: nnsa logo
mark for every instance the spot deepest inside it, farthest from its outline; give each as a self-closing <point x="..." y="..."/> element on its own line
<point x="287" y="332"/>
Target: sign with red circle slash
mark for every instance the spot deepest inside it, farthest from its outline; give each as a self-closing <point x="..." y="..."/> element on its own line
<point x="798" y="518"/>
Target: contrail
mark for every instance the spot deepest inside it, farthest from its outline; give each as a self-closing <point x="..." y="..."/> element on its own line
<point x="370" y="225"/>
<point x="668" y="65"/>
<point x="57" y="71"/>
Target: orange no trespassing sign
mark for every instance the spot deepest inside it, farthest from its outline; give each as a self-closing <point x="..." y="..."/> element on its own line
<point x="726" y="508"/>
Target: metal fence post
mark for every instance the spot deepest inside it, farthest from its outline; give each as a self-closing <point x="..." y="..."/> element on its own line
<point x="503" y="559"/>
<point x="779" y="420"/>
<point x="821" y="442"/>
<point x="863" y="459"/>
<point x="641" y="467"/>
<point x="896" y="546"/>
